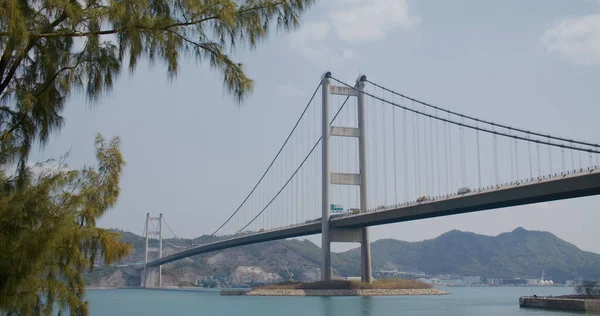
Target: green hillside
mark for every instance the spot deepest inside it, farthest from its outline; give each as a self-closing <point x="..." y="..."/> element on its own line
<point x="520" y="253"/>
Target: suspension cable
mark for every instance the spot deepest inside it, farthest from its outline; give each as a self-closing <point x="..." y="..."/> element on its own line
<point x="169" y="227"/>
<point x="483" y="129"/>
<point x="487" y="122"/>
<point x="284" y="186"/>
<point x="270" y="165"/>
<point x="295" y="172"/>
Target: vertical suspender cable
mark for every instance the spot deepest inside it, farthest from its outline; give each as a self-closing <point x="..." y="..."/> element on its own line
<point x="450" y="150"/>
<point x="395" y="161"/>
<point x="463" y="153"/>
<point x="446" y="155"/>
<point x="478" y="158"/>
<point x="512" y="168"/>
<point x="539" y="161"/>
<point x="550" y="158"/>
<point x="425" y="152"/>
<point x="496" y="173"/>
<point x="562" y="158"/>
<point x="293" y="188"/>
<point x="405" y="155"/>
<point x="572" y="158"/>
<point x="419" y="178"/>
<point x="373" y="124"/>
<point x="415" y="151"/>
<point x="517" y="161"/>
<point x="376" y="152"/>
<point x="529" y="150"/>
<point x="384" y="147"/>
<point x="432" y="154"/>
<point x="437" y="156"/>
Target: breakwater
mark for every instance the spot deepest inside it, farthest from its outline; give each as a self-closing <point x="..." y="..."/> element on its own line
<point x="561" y="303"/>
<point x="365" y="292"/>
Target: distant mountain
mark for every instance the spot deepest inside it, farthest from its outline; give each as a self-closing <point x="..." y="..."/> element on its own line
<point x="520" y="253"/>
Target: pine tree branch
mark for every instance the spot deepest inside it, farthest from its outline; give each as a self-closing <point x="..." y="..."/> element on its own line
<point x="141" y="27"/>
<point x="113" y="31"/>
<point x="15" y="66"/>
<point x="42" y="89"/>
<point x="4" y="60"/>
<point x="20" y="58"/>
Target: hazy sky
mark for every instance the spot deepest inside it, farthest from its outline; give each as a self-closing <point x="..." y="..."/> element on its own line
<point x="193" y="155"/>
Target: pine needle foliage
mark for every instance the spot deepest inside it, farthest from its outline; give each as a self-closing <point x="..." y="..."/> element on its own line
<point x="53" y="47"/>
<point x="48" y="233"/>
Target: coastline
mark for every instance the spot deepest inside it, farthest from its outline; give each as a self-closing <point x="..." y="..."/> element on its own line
<point x="325" y="292"/>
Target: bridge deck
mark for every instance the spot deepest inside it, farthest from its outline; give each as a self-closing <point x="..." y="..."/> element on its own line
<point x="560" y="187"/>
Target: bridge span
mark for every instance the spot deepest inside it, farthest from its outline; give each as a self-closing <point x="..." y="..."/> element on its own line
<point x="366" y="151"/>
<point x="574" y="185"/>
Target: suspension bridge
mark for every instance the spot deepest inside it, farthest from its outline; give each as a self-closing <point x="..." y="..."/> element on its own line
<point x="363" y="155"/>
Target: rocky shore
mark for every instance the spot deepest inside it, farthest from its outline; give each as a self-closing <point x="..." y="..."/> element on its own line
<point x="364" y="292"/>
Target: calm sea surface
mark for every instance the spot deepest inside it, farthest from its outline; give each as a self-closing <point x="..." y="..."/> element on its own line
<point x="487" y="301"/>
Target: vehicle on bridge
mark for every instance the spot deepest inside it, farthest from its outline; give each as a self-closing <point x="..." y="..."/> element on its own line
<point x="337" y="215"/>
<point x="464" y="190"/>
<point x="355" y="211"/>
<point x="380" y="208"/>
<point x="423" y="199"/>
<point x="310" y="221"/>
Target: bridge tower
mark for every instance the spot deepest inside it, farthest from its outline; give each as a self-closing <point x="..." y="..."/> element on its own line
<point x="329" y="234"/>
<point x="147" y="279"/>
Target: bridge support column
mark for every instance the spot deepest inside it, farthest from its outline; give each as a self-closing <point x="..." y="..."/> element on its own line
<point x="148" y="278"/>
<point x="365" y="245"/>
<point x="144" y="273"/>
<point x="358" y="235"/>
<point x="325" y="241"/>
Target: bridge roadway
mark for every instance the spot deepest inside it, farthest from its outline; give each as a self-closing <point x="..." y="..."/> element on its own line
<point x="584" y="183"/>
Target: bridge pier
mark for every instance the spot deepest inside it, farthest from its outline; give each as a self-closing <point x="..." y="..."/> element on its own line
<point x="353" y="235"/>
<point x="151" y="276"/>
<point x="365" y="256"/>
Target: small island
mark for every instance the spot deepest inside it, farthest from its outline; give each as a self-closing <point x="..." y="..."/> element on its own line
<point x="385" y="287"/>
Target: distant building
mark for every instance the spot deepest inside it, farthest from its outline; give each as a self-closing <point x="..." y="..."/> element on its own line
<point x="491" y="281"/>
<point x="429" y="280"/>
<point x="389" y="274"/>
<point x="472" y="280"/>
<point x="514" y="282"/>
<point x="455" y="282"/>
<point x="533" y="282"/>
